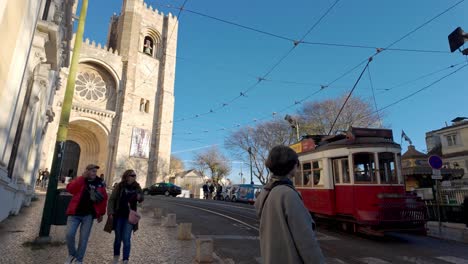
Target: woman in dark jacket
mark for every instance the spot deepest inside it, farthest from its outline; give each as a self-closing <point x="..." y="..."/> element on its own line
<point x="124" y="197"/>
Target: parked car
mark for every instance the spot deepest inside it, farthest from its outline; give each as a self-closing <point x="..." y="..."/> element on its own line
<point x="246" y="193"/>
<point x="163" y="188"/>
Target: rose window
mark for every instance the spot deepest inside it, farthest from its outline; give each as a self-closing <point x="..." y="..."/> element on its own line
<point x="90" y="86"/>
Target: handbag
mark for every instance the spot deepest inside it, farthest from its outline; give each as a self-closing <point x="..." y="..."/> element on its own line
<point x="133" y="216"/>
<point x="95" y="195"/>
<point x="109" y="225"/>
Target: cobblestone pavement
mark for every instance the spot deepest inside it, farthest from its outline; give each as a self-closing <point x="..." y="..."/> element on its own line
<point x="150" y="244"/>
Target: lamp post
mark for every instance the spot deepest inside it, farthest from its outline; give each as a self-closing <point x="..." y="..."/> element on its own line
<point x="250" y="157"/>
<point x="457" y="39"/>
<point x="294" y="124"/>
<point x="62" y="132"/>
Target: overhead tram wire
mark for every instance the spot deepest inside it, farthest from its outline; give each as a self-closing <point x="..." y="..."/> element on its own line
<point x="421" y="77"/>
<point x="373" y="94"/>
<point x="378" y="52"/>
<point x="242" y="94"/>
<point x="269" y="71"/>
<point x="303" y="42"/>
<point x="415" y="92"/>
<point x="349" y="95"/>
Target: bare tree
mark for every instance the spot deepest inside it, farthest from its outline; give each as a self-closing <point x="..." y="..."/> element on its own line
<point x="260" y="139"/>
<point x="318" y="117"/>
<point x="213" y="162"/>
<point x="176" y="165"/>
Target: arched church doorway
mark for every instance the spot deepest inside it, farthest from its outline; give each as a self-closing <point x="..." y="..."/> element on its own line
<point x="71" y="159"/>
<point x="92" y="139"/>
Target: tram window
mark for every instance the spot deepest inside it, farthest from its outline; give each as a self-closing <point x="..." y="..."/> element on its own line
<point x="306" y="174"/>
<point x="336" y="170"/>
<point x="317" y="173"/>
<point x="387" y="168"/>
<point x="345" y="171"/>
<point x="364" y="167"/>
<point x="298" y="177"/>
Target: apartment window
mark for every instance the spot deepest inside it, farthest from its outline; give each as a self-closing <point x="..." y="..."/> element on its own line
<point x="451" y="140"/>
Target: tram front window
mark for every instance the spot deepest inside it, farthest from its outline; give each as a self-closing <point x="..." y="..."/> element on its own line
<point x="364" y="167"/>
<point x="387" y="168"/>
<point x="306" y="174"/>
<point x="317" y="172"/>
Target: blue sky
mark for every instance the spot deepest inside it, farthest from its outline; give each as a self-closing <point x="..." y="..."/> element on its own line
<point x="218" y="61"/>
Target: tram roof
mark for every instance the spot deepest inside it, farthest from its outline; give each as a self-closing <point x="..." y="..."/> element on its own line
<point x="354" y="137"/>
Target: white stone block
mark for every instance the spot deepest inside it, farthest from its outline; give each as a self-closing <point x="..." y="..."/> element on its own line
<point x="204" y="250"/>
<point x="184" y="231"/>
<point x="169" y="220"/>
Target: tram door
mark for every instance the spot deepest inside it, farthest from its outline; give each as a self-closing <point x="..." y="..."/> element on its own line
<point x="344" y="191"/>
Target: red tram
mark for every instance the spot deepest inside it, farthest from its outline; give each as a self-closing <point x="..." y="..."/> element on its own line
<point x="355" y="178"/>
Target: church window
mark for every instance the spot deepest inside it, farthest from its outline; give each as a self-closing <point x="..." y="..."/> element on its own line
<point x="147" y="106"/>
<point x="148" y="46"/>
<point x="142" y="105"/>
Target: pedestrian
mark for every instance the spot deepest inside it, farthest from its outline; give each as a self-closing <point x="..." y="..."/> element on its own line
<point x="219" y="190"/>
<point x="124" y="198"/>
<point x="45" y="178"/>
<point x="39" y="177"/>
<point x="286" y="228"/>
<point x="205" y="190"/>
<point x="88" y="203"/>
<point x="211" y="191"/>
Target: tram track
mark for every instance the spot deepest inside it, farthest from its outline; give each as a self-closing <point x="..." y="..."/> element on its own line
<point x="230" y="215"/>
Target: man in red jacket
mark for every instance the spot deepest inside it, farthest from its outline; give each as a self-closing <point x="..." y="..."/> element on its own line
<point x="88" y="202"/>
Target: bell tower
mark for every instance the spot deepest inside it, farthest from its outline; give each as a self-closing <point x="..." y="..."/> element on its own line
<point x="142" y="130"/>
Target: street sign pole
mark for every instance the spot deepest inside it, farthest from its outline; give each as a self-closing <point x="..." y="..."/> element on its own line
<point x="436" y="164"/>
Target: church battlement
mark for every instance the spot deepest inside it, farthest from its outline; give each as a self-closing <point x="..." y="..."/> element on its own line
<point x="99" y="46"/>
<point x="156" y="11"/>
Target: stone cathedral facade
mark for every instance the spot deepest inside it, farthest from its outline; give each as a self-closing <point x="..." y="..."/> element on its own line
<point x="123" y="104"/>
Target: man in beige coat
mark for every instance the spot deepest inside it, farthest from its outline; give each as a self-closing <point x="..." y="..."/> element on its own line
<point x="286" y="228"/>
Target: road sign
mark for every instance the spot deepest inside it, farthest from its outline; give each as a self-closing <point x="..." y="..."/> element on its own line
<point x="436" y="174"/>
<point x="435" y="162"/>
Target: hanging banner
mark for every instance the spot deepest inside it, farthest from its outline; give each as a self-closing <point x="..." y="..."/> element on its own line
<point x="140" y="146"/>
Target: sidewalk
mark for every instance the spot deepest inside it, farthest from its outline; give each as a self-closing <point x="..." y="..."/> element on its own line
<point x="150" y="244"/>
<point x="448" y="231"/>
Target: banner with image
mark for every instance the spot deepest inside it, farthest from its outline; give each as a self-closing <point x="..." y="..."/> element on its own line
<point x="140" y="146"/>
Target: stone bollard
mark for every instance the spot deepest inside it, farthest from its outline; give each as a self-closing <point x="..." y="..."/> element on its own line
<point x="184" y="231"/>
<point x="158" y="212"/>
<point x="204" y="250"/>
<point x="169" y="220"/>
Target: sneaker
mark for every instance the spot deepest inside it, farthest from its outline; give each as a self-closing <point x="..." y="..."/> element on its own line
<point x="69" y="260"/>
<point x="116" y="260"/>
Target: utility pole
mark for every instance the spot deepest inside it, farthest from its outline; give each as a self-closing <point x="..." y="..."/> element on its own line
<point x="250" y="156"/>
<point x="294" y="124"/>
<point x="62" y="130"/>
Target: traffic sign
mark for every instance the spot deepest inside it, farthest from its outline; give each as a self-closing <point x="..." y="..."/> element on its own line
<point x="435" y="162"/>
<point x="436" y="174"/>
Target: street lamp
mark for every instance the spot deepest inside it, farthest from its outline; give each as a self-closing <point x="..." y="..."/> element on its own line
<point x="457" y="39"/>
<point x="294" y="124"/>
<point x="250" y="156"/>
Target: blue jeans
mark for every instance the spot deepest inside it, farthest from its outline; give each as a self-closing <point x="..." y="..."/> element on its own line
<point x="73" y="222"/>
<point x="123" y="233"/>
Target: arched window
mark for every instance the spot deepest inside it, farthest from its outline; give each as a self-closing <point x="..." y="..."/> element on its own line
<point x="148" y="45"/>
<point x="147" y="106"/>
<point x="142" y="105"/>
